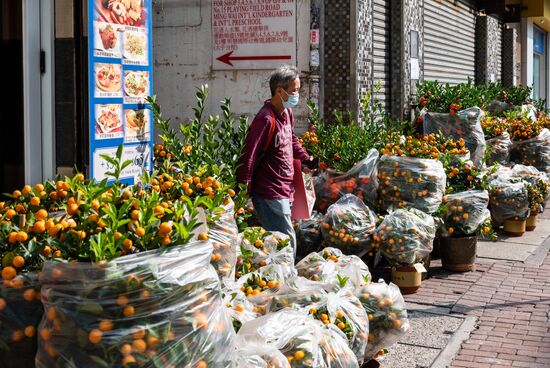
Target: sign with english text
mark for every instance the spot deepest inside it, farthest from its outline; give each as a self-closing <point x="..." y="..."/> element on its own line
<point x="253" y="34"/>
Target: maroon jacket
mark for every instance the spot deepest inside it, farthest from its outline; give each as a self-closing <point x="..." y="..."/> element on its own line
<point x="272" y="177"/>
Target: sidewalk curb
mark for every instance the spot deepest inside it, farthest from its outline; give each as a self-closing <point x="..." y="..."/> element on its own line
<point x="447" y="355"/>
<point x="536" y="259"/>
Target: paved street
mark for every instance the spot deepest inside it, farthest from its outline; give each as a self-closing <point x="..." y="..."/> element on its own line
<point x="495" y="316"/>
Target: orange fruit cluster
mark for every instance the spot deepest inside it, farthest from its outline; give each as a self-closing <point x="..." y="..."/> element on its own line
<point x="423" y="146"/>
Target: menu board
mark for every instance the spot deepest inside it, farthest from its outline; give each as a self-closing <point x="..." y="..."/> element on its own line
<point x="120" y="79"/>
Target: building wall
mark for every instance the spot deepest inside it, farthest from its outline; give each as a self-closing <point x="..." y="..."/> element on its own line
<point x="337" y="58"/>
<point x="488" y="49"/>
<point x="182" y="39"/>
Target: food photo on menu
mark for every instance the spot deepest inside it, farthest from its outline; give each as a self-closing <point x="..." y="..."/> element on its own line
<point x="108" y="79"/>
<point x="135" y="45"/>
<point x="136" y="85"/>
<point x="107" y="39"/>
<point x="125" y="12"/>
<point x="137" y="126"/>
<point x="108" y="121"/>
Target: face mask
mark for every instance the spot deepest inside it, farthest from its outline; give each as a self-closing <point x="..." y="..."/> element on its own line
<point x="292" y="101"/>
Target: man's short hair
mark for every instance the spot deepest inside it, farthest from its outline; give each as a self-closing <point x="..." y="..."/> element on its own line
<point x="282" y="77"/>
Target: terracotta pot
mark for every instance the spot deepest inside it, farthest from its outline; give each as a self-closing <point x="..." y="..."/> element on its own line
<point x="407" y="278"/>
<point x="458" y="254"/>
<point x="514" y="227"/>
<point x="531" y="223"/>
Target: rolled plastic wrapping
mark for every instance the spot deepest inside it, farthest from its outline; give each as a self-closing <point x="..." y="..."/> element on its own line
<point x="160" y="308"/>
<point x="306" y="342"/>
<point x="533" y="152"/>
<point x="410" y="182"/>
<point x="499" y="149"/>
<point x="405" y="237"/>
<point x="330" y="263"/>
<point x="387" y="315"/>
<point x="224" y="234"/>
<point x="359" y="180"/>
<point x="349" y="224"/>
<point x="20" y="313"/>
<point x="465" y="212"/>
<point x="465" y="124"/>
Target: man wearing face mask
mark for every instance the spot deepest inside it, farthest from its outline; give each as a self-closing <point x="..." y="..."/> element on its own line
<point x="266" y="163"/>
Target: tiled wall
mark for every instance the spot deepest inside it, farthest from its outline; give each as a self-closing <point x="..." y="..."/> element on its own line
<point x="488" y="49"/>
<point x="509" y="52"/>
<point x="337" y="56"/>
<point x="407" y="16"/>
<point x="363" y="62"/>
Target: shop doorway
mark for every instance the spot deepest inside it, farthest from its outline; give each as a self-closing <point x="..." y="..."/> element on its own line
<point x="26" y="46"/>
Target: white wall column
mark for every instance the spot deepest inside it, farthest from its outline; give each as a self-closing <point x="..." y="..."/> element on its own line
<point x="526" y="52"/>
<point x="32" y="114"/>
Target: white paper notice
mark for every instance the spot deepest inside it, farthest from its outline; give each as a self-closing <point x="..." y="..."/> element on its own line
<point x="138" y="154"/>
<point x="415" y="69"/>
<point x="253" y="34"/>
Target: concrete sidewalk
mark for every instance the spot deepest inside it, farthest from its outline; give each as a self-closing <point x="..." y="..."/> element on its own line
<point x="495" y="316"/>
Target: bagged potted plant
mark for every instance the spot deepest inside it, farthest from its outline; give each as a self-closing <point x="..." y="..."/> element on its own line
<point x="538" y="187"/>
<point x="405" y="238"/>
<point x="497" y="139"/>
<point x="348" y="225"/>
<point x="330" y="264"/>
<point x="387" y="315"/>
<point x="509" y="202"/>
<point x="360" y="180"/>
<point x="308" y="235"/>
<point x="463" y="124"/>
<point x="531" y="145"/>
<point x="305" y="341"/>
<point x="464" y="215"/>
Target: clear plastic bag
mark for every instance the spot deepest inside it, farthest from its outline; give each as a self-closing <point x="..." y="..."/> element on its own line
<point x="265" y="281"/>
<point x="20" y="313"/>
<point x="499" y="149"/>
<point x="305" y="342"/>
<point x="533" y="152"/>
<point x="465" y="212"/>
<point x="387" y="315"/>
<point x="345" y="311"/>
<point x="349" y="225"/>
<point x="330" y="263"/>
<point x="308" y="235"/>
<point x="410" y="182"/>
<point x="359" y="180"/>
<point x="259" y="356"/>
<point x="224" y="234"/>
<point x="158" y="308"/>
<point x="259" y="248"/>
<point x="508" y="198"/>
<point x="538" y="186"/>
<point x="240" y="308"/>
<point x="464" y="124"/>
<point x="405" y="237"/>
<point x="498" y="107"/>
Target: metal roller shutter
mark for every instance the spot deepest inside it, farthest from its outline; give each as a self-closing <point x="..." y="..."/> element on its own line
<point x="449" y="41"/>
<point x="499" y="51"/>
<point x="381" y="50"/>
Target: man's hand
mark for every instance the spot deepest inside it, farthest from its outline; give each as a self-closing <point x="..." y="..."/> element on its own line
<point x="312" y="164"/>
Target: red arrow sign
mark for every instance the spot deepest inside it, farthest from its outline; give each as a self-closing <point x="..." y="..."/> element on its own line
<point x="226" y="58"/>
